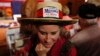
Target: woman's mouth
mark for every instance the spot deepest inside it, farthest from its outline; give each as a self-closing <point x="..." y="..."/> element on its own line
<point x="48" y="45"/>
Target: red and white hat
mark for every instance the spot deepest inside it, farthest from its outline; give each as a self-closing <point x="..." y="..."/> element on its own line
<point x="48" y="12"/>
<point x="49" y="9"/>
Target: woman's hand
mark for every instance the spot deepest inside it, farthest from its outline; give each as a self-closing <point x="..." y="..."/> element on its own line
<point x="41" y="50"/>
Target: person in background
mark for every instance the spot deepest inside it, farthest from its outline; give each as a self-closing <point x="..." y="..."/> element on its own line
<point x="28" y="9"/>
<point x="87" y="18"/>
<point x="87" y="39"/>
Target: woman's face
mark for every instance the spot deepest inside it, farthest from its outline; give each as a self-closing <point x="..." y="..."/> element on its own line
<point x="48" y="34"/>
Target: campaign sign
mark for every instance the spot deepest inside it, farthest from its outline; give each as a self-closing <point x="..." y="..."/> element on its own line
<point x="50" y="12"/>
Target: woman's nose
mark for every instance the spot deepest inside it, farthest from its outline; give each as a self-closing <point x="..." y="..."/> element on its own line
<point x="47" y="38"/>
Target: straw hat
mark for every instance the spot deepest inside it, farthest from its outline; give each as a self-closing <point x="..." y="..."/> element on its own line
<point x="47" y="13"/>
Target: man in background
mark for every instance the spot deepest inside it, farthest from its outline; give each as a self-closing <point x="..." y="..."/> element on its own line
<point x="87" y="39"/>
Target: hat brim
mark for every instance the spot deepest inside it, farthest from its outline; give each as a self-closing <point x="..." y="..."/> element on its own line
<point x="39" y="21"/>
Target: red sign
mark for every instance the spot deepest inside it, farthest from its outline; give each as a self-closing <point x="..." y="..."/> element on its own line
<point x="5" y="0"/>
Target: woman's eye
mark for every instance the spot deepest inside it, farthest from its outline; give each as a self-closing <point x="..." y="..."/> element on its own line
<point x="43" y="33"/>
<point x="53" y="33"/>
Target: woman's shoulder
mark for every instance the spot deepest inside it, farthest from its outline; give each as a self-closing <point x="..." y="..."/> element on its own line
<point x="73" y="51"/>
<point x="63" y="47"/>
<point x="68" y="48"/>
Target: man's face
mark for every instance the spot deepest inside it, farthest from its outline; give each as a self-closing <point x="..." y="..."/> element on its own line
<point x="48" y="34"/>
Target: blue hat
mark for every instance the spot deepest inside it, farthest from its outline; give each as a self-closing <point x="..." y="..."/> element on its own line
<point x="87" y="11"/>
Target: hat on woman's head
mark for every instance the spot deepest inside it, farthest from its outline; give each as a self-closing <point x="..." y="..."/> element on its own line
<point x="87" y="11"/>
<point x="47" y="13"/>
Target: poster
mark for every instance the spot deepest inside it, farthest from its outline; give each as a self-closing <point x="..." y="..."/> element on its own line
<point x="5" y="10"/>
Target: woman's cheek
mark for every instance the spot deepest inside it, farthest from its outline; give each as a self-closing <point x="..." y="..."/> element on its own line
<point x="41" y="37"/>
<point x="55" y="38"/>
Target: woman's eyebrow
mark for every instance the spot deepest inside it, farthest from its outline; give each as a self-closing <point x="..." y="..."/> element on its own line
<point x="55" y="31"/>
<point x="45" y="32"/>
<point x="41" y="31"/>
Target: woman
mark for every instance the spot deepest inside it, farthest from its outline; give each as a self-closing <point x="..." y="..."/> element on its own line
<point x="50" y="42"/>
<point x="48" y="39"/>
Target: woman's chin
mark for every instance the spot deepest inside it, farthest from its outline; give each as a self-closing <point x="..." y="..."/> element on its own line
<point x="48" y="46"/>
